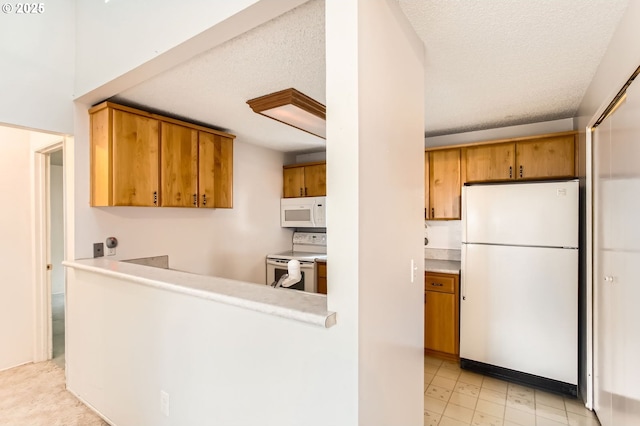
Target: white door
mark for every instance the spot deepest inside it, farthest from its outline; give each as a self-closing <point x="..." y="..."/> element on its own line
<point x="537" y="214"/>
<point x="617" y="264"/>
<point x="519" y="309"/>
<point x="601" y="268"/>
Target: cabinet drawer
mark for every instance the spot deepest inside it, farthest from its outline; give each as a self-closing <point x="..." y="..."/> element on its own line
<point x="442" y="283"/>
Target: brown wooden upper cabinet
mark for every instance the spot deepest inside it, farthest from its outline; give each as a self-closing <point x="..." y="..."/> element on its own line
<point x="490" y="162"/>
<point x="543" y="157"/>
<point x="144" y="159"/>
<point x="122" y="142"/>
<point x="215" y="181"/>
<point x="178" y="166"/>
<point x="549" y="157"/>
<point x="444" y="184"/>
<point x="304" y="180"/>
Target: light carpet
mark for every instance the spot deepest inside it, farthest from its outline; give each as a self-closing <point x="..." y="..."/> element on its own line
<point x="35" y="395"/>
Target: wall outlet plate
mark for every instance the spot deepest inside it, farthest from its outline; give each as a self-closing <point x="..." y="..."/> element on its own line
<point x="98" y="249"/>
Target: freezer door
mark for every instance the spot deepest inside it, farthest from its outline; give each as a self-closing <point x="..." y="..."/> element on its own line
<point x="519" y="309"/>
<point x="533" y="214"/>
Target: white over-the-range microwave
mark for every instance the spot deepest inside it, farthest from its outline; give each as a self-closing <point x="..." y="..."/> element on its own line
<point x="307" y="212"/>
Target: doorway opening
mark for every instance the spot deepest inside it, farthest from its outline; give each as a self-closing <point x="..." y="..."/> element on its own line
<point x="55" y="231"/>
<point x="50" y="162"/>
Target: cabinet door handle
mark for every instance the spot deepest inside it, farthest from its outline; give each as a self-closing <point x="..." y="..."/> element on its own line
<point x="301" y="192"/>
<point x="510" y="172"/>
<point x="437" y="284"/>
<point x="521" y="171"/>
<point x="433" y="213"/>
<point x="155" y="198"/>
<point x="195" y="199"/>
<point x="305" y="191"/>
<point x="204" y="199"/>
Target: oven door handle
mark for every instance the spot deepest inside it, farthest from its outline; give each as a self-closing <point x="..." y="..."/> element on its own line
<point x="283" y="262"/>
<point x="275" y="262"/>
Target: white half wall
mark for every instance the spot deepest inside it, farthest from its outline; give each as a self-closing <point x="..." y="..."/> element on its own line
<point x="56" y="227"/>
<point x="37" y="52"/>
<point x="218" y="364"/>
<point x="375" y="183"/>
<point x="229" y="243"/>
<point x="16" y="285"/>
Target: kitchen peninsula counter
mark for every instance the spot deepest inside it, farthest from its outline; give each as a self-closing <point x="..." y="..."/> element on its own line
<point x="296" y="305"/>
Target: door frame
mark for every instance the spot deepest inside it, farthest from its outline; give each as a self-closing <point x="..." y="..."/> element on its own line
<point x="43" y="347"/>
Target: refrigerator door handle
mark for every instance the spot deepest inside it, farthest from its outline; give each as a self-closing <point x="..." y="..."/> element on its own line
<point x="464" y="213"/>
<point x="463" y="293"/>
<point x="463" y="283"/>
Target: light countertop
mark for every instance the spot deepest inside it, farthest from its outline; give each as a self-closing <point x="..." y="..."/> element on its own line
<point x="442" y="266"/>
<point x="296" y="305"/>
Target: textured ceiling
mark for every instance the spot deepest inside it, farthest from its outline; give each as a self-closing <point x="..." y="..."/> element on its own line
<point x="490" y="63"/>
<point x="496" y="63"/>
<point x="214" y="87"/>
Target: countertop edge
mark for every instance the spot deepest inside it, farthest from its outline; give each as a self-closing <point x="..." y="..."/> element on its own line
<point x="442" y="266"/>
<point x="443" y="271"/>
<point x="325" y="319"/>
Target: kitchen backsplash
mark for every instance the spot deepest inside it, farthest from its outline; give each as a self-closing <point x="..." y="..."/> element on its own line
<point x="443" y="234"/>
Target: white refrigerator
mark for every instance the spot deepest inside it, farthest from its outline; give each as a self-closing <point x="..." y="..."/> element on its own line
<point x="519" y="281"/>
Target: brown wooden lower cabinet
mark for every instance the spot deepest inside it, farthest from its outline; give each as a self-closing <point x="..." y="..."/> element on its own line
<point x="442" y="314"/>
<point x="322" y="277"/>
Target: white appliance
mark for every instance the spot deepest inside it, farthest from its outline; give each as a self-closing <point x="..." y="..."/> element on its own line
<point x="308" y="247"/>
<point x="519" y="282"/>
<point x="308" y="212"/>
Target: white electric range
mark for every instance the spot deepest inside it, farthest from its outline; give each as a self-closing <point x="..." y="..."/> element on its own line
<point x="308" y="248"/>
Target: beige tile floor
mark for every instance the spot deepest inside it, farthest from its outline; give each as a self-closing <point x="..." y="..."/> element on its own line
<point x="455" y="397"/>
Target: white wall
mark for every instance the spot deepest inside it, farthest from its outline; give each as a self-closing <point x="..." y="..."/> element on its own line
<point x="37" y="54"/>
<point x="520" y="130"/>
<point x="444" y="234"/>
<point x="230" y="243"/>
<point x="56" y="228"/>
<point x="375" y="170"/>
<point x="312" y="156"/>
<point x="16" y="285"/>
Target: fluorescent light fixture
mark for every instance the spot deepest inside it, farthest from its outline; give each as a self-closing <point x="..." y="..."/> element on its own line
<point x="293" y="108"/>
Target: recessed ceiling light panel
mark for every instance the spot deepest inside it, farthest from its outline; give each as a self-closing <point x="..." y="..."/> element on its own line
<point x="293" y="108"/>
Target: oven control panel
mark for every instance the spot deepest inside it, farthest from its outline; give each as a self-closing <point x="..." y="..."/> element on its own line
<point x="310" y="238"/>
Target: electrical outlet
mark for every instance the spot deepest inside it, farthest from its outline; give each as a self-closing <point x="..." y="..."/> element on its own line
<point x="98" y="249"/>
<point x="164" y="403"/>
<point x="111" y="251"/>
